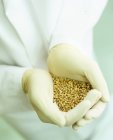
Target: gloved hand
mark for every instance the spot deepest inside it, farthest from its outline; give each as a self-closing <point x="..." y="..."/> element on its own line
<point x="38" y="85"/>
<point x="68" y="61"/>
<point x="33" y="83"/>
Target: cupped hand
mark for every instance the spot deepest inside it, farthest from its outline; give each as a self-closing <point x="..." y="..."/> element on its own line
<point x="38" y="85"/>
<point x="68" y="61"/>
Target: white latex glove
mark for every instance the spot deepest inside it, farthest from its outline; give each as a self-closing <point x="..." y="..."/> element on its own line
<point x="38" y="85"/>
<point x="68" y="61"/>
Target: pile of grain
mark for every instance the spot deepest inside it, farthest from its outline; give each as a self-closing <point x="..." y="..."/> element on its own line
<point x="68" y="93"/>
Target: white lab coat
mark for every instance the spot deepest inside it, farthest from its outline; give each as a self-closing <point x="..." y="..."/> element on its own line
<point x="28" y="29"/>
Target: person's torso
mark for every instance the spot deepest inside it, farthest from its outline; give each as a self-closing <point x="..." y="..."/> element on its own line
<point x="33" y="24"/>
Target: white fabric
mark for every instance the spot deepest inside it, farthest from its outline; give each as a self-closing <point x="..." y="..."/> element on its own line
<point x="12" y="98"/>
<point x="28" y="28"/>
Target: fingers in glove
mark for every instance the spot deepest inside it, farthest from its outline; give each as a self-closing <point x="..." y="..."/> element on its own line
<point x="95" y="77"/>
<point x="72" y="116"/>
<point x="93" y="96"/>
<point x="96" y="111"/>
<point x="78" y="112"/>
<point x="81" y="123"/>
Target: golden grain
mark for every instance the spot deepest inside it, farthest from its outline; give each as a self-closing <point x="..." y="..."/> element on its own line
<point x="68" y="92"/>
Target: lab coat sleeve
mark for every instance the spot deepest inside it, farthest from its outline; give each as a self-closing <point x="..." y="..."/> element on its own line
<point x="13" y="63"/>
<point x="76" y="20"/>
<point x="12" y="97"/>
